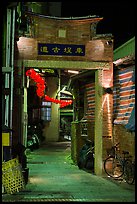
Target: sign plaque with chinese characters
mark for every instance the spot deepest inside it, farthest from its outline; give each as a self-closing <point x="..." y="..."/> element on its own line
<point x="61" y="49"/>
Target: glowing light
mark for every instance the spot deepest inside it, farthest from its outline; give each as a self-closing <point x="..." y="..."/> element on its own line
<point x="73" y="71"/>
<point x="108" y="83"/>
<point x="106" y="101"/>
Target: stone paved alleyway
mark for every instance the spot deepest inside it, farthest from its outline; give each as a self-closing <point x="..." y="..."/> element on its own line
<point x="53" y="177"/>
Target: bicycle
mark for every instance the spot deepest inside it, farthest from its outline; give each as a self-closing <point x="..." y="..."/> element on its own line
<point x="117" y="166"/>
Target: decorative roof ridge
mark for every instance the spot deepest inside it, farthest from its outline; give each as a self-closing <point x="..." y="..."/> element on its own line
<point x="64" y="18"/>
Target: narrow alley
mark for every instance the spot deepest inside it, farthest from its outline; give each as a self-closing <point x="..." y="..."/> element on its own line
<point x="53" y="177"/>
<point x="68" y="99"/>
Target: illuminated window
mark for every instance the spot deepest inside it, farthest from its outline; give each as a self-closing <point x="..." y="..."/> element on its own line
<point x="45" y="103"/>
<point x="46" y="111"/>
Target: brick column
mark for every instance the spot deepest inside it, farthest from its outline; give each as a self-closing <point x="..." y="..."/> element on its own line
<point x="103" y="116"/>
<point x="98" y="122"/>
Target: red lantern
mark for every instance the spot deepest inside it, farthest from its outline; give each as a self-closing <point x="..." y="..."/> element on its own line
<point x="41" y="85"/>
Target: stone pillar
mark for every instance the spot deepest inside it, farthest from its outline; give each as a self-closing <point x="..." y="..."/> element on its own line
<point x="103" y="116"/>
<point x="75" y="140"/>
<point x="98" y="122"/>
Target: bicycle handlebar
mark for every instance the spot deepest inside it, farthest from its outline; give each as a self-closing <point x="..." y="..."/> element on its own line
<point x="116" y="144"/>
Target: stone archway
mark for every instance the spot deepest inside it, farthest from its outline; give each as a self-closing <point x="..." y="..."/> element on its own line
<point x="72" y="32"/>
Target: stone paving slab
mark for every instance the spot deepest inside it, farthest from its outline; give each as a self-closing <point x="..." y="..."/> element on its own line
<point x="53" y="177"/>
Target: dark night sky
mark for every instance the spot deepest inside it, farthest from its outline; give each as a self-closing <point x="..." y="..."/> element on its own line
<point x="118" y="17"/>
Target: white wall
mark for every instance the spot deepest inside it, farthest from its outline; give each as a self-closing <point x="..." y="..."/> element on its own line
<point x="51" y="130"/>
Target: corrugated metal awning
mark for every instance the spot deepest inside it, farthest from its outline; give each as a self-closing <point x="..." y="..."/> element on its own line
<point x="124" y="50"/>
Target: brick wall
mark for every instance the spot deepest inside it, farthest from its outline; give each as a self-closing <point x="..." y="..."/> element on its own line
<point x="125" y="138"/>
<point x="78" y="32"/>
<point x="124" y="101"/>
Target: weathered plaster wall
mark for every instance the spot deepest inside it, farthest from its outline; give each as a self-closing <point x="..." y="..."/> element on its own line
<point x="51" y="130"/>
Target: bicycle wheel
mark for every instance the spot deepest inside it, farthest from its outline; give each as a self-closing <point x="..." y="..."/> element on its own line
<point x="113" y="168"/>
<point x="129" y="172"/>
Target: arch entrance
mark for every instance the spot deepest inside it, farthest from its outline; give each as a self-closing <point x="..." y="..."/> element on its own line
<point x="65" y="44"/>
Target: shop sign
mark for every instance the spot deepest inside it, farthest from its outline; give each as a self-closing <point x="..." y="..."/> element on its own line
<point x="61" y="49"/>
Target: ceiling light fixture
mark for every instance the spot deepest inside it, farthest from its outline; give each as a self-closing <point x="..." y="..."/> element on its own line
<point x="65" y="91"/>
<point x="73" y="71"/>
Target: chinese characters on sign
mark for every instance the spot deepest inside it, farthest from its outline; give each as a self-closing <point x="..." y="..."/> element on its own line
<point x="61" y="49"/>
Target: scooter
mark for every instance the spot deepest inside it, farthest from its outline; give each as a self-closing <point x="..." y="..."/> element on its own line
<point x="86" y="156"/>
<point x="32" y="139"/>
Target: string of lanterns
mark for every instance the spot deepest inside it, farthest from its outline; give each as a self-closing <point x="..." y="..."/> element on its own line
<point x="62" y="103"/>
<point x="40" y="82"/>
<point x="41" y="85"/>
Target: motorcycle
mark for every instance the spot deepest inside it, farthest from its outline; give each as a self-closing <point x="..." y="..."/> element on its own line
<point x="86" y="156"/>
<point x="32" y="138"/>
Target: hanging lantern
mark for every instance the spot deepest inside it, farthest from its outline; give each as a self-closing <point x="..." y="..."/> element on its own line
<point x="41" y="85"/>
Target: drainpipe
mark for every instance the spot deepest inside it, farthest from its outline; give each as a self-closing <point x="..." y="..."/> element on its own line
<point x="9" y="69"/>
<point x="7" y="73"/>
<point x="12" y="64"/>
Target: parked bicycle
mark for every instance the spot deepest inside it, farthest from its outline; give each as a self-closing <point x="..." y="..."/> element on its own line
<point x="117" y="166"/>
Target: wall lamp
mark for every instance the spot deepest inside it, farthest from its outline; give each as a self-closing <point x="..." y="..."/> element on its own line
<point x="108" y="90"/>
<point x="109" y="42"/>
